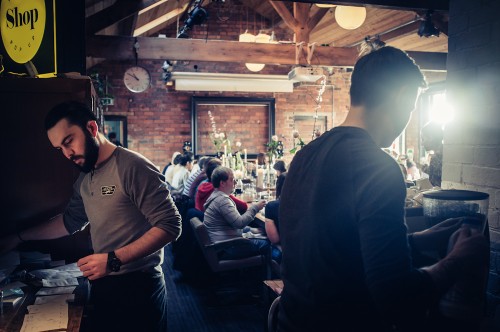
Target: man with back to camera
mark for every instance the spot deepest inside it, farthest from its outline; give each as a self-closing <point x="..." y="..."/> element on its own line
<point x="346" y="254"/>
<point x="132" y="216"/>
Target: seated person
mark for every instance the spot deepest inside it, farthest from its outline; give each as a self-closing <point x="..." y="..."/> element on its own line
<point x="412" y="171"/>
<point x="205" y="189"/>
<point x="432" y="140"/>
<point x="198" y="175"/>
<point x="180" y="178"/>
<point x="272" y="228"/>
<point x="279" y="167"/>
<point x="224" y="222"/>
<point x="172" y="169"/>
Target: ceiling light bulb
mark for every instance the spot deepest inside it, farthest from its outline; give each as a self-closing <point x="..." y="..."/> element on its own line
<point x="247" y="37"/>
<point x="349" y="17"/>
<point x="263" y="39"/>
<point x="255" y="67"/>
<point x="324" y="5"/>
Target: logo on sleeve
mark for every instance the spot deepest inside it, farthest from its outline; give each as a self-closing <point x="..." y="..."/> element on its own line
<point x="108" y="190"/>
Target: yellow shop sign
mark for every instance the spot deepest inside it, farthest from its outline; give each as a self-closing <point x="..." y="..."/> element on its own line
<point x="28" y="30"/>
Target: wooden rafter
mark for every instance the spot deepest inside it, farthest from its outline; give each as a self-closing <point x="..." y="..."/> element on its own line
<point x="404" y="30"/>
<point x="439" y="5"/>
<point x="121" y="48"/>
<point x="285" y="14"/>
<point x="160" y="20"/>
<point x="117" y="12"/>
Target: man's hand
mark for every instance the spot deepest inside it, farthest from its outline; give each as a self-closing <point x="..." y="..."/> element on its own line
<point x="94" y="266"/>
<point x="261" y="204"/>
<point x="436" y="237"/>
<point x="470" y="252"/>
<point x="9" y="243"/>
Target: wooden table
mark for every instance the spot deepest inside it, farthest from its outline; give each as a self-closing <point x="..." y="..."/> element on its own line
<point x="12" y="318"/>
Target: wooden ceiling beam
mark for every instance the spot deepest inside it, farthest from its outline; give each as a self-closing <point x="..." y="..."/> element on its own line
<point x="301" y="14"/>
<point x="400" y="32"/>
<point x="160" y="20"/>
<point x="121" y="48"/>
<point x="316" y="17"/>
<point x="285" y="14"/>
<point x="438" y="5"/>
<point x="117" y="12"/>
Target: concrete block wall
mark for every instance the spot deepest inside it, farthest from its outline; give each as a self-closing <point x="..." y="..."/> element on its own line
<point x="471" y="157"/>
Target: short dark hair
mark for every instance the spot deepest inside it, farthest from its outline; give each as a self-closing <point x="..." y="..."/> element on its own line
<point x="185" y="158"/>
<point x="177" y="159"/>
<point x="76" y="113"/>
<point x="220" y="174"/>
<point x="203" y="161"/>
<point x="377" y="74"/>
<point x="280" y="166"/>
<point x="261" y="158"/>
<point x="211" y="165"/>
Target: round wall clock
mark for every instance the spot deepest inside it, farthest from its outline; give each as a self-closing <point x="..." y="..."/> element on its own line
<point x="137" y="79"/>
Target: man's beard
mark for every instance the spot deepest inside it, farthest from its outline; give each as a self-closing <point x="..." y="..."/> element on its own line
<point x="90" y="154"/>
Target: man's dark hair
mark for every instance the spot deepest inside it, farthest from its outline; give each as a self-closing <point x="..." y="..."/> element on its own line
<point x="280" y="166"/>
<point x="220" y="174"/>
<point x="378" y="74"/>
<point x="185" y="158"/>
<point x="203" y="161"/>
<point x="177" y="159"/>
<point x="74" y="112"/>
<point x="211" y="165"/>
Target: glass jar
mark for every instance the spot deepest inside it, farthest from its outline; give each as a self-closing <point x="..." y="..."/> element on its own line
<point x="444" y="204"/>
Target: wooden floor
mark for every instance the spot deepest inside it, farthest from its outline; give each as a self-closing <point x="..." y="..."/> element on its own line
<point x="195" y="306"/>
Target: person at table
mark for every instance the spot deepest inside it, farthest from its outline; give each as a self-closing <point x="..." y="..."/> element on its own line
<point x="125" y="200"/>
<point x="432" y="140"/>
<point x="195" y="178"/>
<point x="279" y="167"/>
<point x="171" y="163"/>
<point x="206" y="188"/>
<point x="113" y="139"/>
<point x="223" y="221"/>
<point x="262" y="160"/>
<point x="173" y="169"/>
<point x="346" y="254"/>
<point x="181" y="177"/>
<point x="272" y="227"/>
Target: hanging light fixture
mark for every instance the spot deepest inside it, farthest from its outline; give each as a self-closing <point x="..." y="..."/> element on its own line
<point x="247" y="37"/>
<point x="262" y="38"/>
<point x="324" y="5"/>
<point x="349" y="17"/>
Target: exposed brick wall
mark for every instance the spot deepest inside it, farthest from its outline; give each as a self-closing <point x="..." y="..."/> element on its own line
<point x="472" y="142"/>
<point x="159" y="120"/>
<point x="244" y="124"/>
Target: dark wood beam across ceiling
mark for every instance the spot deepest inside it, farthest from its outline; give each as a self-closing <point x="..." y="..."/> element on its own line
<point x="437" y="5"/>
<point x="122" y="48"/>
<point x="117" y="12"/>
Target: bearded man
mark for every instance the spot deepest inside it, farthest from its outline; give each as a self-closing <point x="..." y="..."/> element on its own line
<point x="125" y="200"/>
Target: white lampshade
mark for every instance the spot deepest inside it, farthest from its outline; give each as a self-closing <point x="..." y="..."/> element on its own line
<point x="247" y="37"/>
<point x="260" y="38"/>
<point x="324" y="5"/>
<point x="349" y="17"/>
<point x="255" y="66"/>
